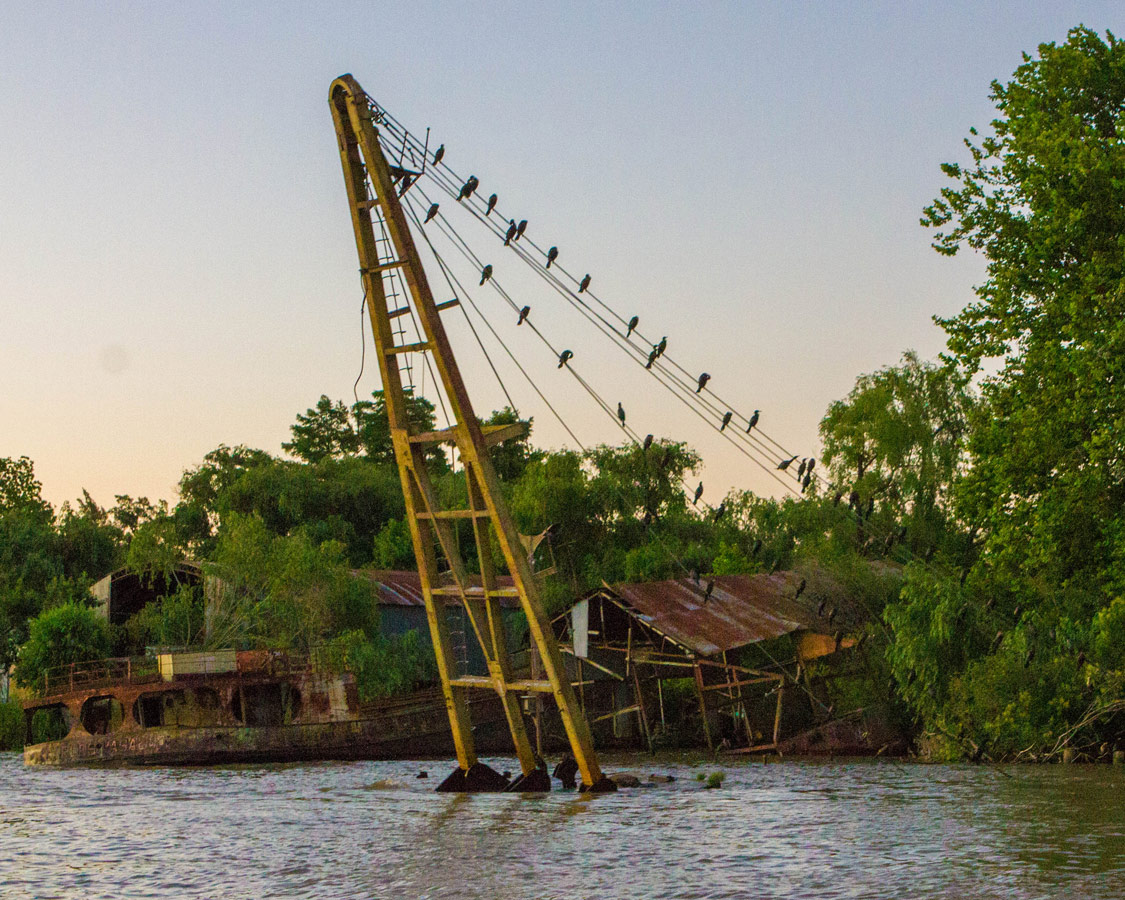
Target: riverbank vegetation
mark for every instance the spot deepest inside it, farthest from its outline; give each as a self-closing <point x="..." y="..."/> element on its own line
<point x="974" y="503"/>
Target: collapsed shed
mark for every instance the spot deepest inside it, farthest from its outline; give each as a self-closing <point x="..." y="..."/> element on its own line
<point x="628" y="640"/>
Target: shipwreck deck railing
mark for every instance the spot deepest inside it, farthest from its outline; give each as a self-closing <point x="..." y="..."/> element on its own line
<point x="82" y="676"/>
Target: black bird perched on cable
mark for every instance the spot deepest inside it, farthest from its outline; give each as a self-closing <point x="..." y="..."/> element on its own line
<point x="719" y="511"/>
<point x="521" y="228"/>
<point x="438" y="154"/>
<point x="431" y="213"/>
<point x="563" y="357"/>
<point x="801" y="470"/>
<point x="511" y="232"/>
<point x="727" y="416"/>
<point x="703" y="379"/>
<point x="491" y="205"/>
<point x="698" y="493"/>
<point x="632" y="326"/>
<point x="621" y="413"/>
<point x="552" y="255"/>
<point x="485" y="273"/>
<point x="584" y="284"/>
<point x="651" y="358"/>
<point x="405" y="185"/>
<point x="524" y="313"/>
<point x="812" y="463"/>
<point x="753" y="422"/>
<point x="806" y="481"/>
<point x="468" y="187"/>
<point x="647" y="444"/>
<point x="662" y="346"/>
<point x="786" y="463"/>
<point x="801" y="588"/>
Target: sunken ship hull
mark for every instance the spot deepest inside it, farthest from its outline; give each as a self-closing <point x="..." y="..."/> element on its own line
<point x="224" y="708"/>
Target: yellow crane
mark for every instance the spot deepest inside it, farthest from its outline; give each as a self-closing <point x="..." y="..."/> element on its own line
<point x="371" y="190"/>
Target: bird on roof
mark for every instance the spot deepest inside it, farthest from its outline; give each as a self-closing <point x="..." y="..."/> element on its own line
<point x="485" y="273"/>
<point x="563" y="357"/>
<point x="727" y="416"/>
<point x="801" y="588"/>
<point x="552" y="255"/>
<point x="786" y="463"/>
<point x="753" y="422"/>
<point x="707" y="593"/>
<point x="491" y="205"/>
<point x="431" y="212"/>
<point x="703" y="379"/>
<point x="651" y="358"/>
<point x="698" y="493"/>
<point x="621" y="413"/>
<point x="511" y="232"/>
<point x="524" y="313"/>
<point x="647" y="443"/>
<point x="631" y="326"/>
<point x="585" y="283"/>
<point x="521" y="228"/>
<point x="438" y="154"/>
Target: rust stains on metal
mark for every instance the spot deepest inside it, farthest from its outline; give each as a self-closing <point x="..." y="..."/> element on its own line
<point x="741" y="609"/>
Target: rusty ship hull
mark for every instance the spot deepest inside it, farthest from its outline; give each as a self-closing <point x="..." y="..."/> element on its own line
<point x="264" y="709"/>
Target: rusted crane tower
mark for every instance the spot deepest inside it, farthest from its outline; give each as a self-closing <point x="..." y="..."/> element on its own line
<point x="370" y="184"/>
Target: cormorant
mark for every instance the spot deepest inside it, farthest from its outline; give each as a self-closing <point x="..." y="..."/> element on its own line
<point x="511" y="232"/>
<point x="524" y="313"/>
<point x="719" y="510"/>
<point x="585" y="283"/>
<point x="753" y="422"/>
<point x="727" y="416"/>
<point x="801" y="469"/>
<point x="563" y="357"/>
<point x="662" y="346"/>
<point x="521" y="228"/>
<point x="621" y="413"/>
<point x="703" y="379"/>
<point x="468" y="187"/>
<point x="632" y="326"/>
<point x="431" y="213"/>
<point x="491" y="205"/>
<point x="438" y="154"/>
<point x="786" y="463"/>
<point x="648" y="443"/>
<point x="812" y="463"/>
<point x="485" y="273"/>
<point x="552" y="255"/>
<point x="651" y="359"/>
<point x="698" y="493"/>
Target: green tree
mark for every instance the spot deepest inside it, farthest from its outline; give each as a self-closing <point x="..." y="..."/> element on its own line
<point x="66" y="634"/>
<point x="323" y="432"/>
<point x="1043" y="198"/>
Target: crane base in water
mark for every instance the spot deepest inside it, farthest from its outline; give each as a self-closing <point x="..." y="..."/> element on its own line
<point x="478" y="779"/>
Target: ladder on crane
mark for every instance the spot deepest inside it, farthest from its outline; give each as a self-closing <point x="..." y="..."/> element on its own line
<point x="371" y="186"/>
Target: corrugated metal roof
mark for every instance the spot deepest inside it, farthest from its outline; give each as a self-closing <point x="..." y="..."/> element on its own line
<point x="405" y="588"/>
<point x="742" y="609"/>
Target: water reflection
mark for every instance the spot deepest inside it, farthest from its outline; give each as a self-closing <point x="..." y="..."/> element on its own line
<point x="829" y="829"/>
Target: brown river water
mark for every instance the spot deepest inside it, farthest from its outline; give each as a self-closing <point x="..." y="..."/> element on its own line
<point x="372" y="830"/>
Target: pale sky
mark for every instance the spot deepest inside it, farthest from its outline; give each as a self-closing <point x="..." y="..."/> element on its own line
<point x="177" y="266"/>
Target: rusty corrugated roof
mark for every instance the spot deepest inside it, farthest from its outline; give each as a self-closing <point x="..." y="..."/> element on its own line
<point x="742" y="609"/>
<point x="405" y="588"/>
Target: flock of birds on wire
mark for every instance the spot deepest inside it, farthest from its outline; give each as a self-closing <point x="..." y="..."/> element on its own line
<point x="805" y="469"/>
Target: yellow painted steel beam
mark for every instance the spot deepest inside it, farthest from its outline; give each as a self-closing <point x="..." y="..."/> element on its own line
<point x="363" y="161"/>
